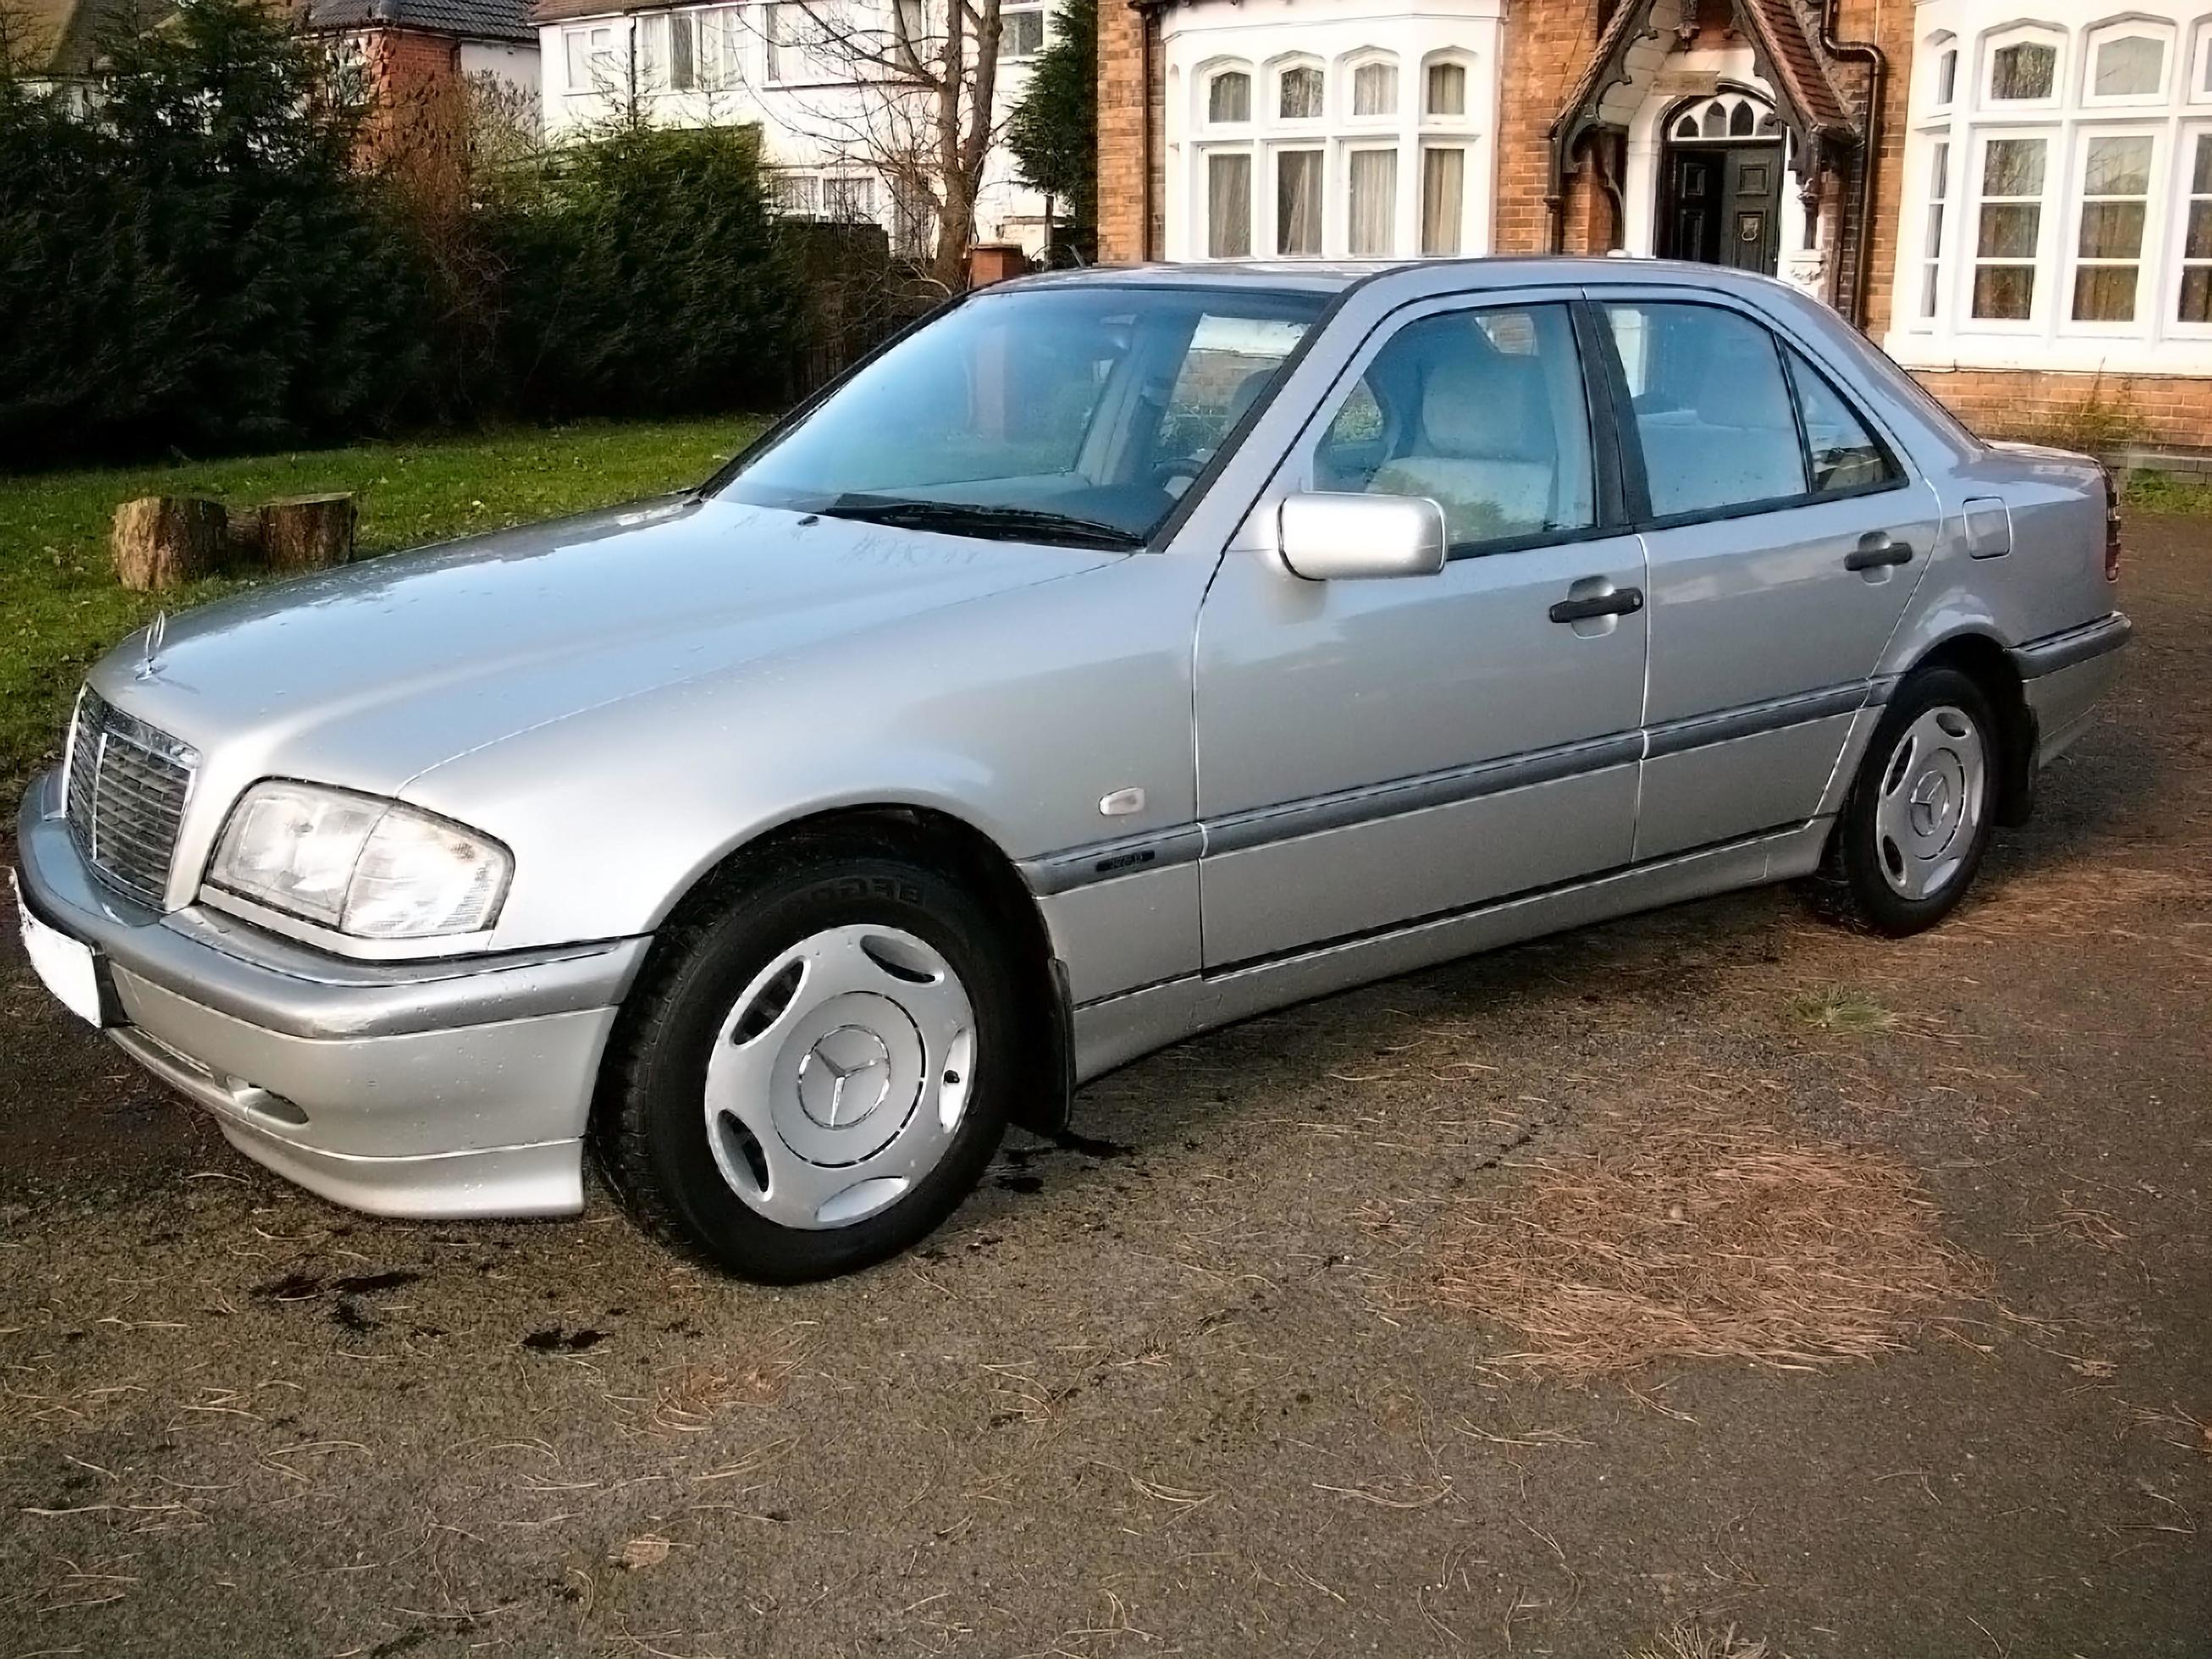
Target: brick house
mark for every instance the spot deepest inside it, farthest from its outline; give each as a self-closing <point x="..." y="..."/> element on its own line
<point x="2016" y="201"/>
<point x="418" y="60"/>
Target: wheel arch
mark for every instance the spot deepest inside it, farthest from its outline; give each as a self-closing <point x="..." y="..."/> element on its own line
<point x="1983" y="658"/>
<point x="952" y="844"/>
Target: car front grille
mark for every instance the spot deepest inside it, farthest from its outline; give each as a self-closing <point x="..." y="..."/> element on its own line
<point x="127" y="784"/>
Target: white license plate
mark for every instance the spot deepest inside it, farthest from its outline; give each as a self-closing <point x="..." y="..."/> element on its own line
<point x="67" y="968"/>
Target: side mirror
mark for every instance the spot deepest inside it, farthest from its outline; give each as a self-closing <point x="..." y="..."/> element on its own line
<point x="1352" y="537"/>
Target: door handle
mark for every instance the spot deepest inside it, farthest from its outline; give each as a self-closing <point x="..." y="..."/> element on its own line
<point x="1877" y="550"/>
<point x="1622" y="602"/>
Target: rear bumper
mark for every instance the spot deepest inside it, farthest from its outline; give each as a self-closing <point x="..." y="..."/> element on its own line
<point x="436" y="1089"/>
<point x="2065" y="675"/>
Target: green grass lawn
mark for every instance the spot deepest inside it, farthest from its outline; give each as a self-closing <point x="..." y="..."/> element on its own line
<point x="60" y="606"/>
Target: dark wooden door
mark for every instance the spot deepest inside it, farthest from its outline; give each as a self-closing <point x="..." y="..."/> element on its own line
<point x="1721" y="204"/>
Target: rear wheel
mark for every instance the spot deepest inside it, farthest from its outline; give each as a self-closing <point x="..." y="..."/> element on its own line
<point x="816" y="1074"/>
<point x="1917" y="820"/>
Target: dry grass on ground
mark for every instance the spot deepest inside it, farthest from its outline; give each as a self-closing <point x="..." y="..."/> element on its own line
<point x="1704" y="1233"/>
<point x="1701" y="1642"/>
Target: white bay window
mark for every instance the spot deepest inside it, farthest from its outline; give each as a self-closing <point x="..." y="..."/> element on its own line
<point x="2057" y="210"/>
<point x="1361" y="133"/>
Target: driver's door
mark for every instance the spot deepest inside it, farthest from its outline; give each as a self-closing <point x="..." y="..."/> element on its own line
<point x="1371" y="752"/>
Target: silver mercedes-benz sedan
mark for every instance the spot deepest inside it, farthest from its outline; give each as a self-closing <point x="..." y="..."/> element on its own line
<point x="1118" y="654"/>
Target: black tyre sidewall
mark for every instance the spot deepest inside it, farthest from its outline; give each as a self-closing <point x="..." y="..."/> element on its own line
<point x="666" y="1149"/>
<point x="1876" y="902"/>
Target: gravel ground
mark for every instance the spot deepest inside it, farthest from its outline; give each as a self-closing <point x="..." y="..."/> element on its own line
<point x="1191" y="1385"/>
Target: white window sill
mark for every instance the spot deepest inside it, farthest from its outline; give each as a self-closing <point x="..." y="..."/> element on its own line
<point x="2180" y="358"/>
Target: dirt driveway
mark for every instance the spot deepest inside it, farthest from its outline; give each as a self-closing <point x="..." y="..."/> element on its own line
<point x="1207" y="1384"/>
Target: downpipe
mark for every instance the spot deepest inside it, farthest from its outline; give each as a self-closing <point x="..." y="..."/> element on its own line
<point x="1877" y="62"/>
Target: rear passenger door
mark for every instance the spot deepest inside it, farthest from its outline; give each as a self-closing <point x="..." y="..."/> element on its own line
<point x="1784" y="535"/>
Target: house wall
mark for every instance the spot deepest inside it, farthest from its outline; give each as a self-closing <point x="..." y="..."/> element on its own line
<point x="417" y="120"/>
<point x="2033" y="372"/>
<point x="1124" y="105"/>
<point x="2039" y="379"/>
<point x="818" y="125"/>
<point x="514" y="64"/>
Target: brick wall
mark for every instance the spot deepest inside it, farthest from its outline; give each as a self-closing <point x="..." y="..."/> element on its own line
<point x="1547" y="42"/>
<point x="1886" y="24"/>
<point x="2165" y="412"/>
<point x="1124" y="104"/>
<point x="417" y="125"/>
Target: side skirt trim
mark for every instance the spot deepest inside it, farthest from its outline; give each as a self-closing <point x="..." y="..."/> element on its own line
<point x="1112" y="1031"/>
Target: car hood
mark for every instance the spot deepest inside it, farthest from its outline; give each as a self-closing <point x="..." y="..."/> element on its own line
<point x="373" y="673"/>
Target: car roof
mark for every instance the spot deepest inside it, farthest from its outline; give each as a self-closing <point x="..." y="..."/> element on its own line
<point x="1505" y="270"/>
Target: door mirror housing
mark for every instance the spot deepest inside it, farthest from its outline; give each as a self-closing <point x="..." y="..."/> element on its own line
<point x="1336" y="538"/>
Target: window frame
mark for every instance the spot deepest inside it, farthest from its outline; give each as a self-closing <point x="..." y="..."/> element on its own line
<point x="1629" y="439"/>
<point x="2046" y="271"/>
<point x="1942" y="51"/>
<point x="2021" y="35"/>
<point x="1267" y="187"/>
<point x="1608" y="501"/>
<point x="573" y="32"/>
<point x="2174" y="259"/>
<point x="1370" y="143"/>
<point x="1279" y="72"/>
<point x="1254" y="177"/>
<point x="2150" y="252"/>
<point x="1348" y="71"/>
<point x="1207" y="76"/>
<point x="1446" y="57"/>
<point x="2123" y="29"/>
<point x="1044" y="32"/>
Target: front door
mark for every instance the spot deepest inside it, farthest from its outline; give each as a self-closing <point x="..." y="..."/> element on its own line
<point x="1372" y="752"/>
<point x="1722" y="203"/>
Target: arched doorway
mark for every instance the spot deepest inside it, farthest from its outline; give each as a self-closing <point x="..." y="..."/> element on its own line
<point x="1720" y="182"/>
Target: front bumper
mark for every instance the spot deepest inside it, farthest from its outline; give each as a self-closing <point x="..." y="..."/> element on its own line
<point x="434" y="1089"/>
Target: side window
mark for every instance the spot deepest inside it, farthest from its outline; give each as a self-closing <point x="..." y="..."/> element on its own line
<point x="1843" y="454"/>
<point x="1482" y="412"/>
<point x="1710" y="408"/>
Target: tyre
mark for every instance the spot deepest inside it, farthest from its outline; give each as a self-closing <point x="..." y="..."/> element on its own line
<point x="813" y="1072"/>
<point x="1917" y="820"/>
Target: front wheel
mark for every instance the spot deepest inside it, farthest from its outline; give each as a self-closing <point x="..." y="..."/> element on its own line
<point x="814" y="1076"/>
<point x="1918" y="821"/>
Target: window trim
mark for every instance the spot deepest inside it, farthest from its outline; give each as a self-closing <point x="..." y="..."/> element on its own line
<point x="1207" y="76"/>
<point x="1044" y="32"/>
<point x="2149" y="251"/>
<point x="2124" y="28"/>
<point x="1280" y="71"/>
<point x="2174" y="259"/>
<point x="1630" y="441"/>
<point x="1443" y="57"/>
<point x="2019" y="34"/>
<point x="1295" y="474"/>
<point x="2042" y="264"/>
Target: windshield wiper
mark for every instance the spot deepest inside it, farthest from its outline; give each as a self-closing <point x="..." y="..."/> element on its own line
<point x="1006" y="523"/>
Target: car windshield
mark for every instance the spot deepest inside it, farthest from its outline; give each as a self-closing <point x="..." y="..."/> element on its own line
<point x="1075" y="414"/>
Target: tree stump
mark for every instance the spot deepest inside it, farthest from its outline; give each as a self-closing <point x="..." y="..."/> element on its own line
<point x="159" y="541"/>
<point x="308" y="532"/>
<point x="244" y="551"/>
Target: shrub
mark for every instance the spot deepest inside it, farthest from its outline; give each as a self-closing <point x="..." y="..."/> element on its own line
<point x="189" y="261"/>
<point x="643" y="274"/>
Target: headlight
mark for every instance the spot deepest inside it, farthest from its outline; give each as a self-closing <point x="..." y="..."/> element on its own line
<point x="369" y="867"/>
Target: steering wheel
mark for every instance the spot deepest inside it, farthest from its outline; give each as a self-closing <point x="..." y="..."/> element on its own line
<point x="1184" y="467"/>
